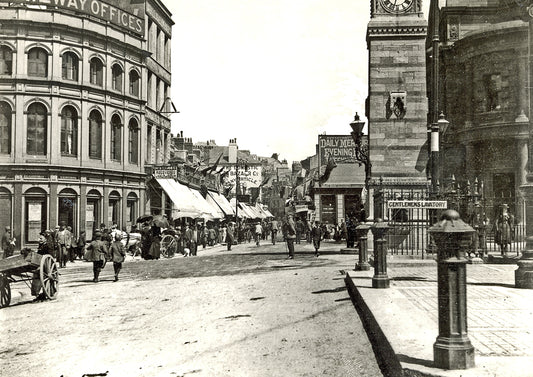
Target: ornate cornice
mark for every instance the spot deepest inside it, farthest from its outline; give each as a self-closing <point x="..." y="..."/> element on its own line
<point x="382" y="31"/>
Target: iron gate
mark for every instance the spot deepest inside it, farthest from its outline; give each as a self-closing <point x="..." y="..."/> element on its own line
<point x="408" y="234"/>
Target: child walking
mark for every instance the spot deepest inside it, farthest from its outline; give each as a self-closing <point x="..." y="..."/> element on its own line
<point x="117" y="254"/>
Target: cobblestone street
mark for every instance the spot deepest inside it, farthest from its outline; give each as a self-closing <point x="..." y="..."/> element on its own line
<point x="248" y="312"/>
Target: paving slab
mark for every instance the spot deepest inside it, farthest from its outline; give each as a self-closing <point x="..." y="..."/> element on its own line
<point x="500" y="319"/>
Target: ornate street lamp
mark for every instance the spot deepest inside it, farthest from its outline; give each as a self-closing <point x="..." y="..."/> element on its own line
<point x="362" y="156"/>
<point x="437" y="129"/>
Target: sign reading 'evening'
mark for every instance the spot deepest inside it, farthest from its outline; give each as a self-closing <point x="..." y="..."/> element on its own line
<point x="340" y="147"/>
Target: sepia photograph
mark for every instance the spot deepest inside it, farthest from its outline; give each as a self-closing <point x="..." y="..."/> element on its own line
<point x="284" y="188"/>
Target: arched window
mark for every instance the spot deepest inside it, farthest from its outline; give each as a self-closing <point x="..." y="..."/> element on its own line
<point x="6" y="60"/>
<point x="133" y="142"/>
<point x="37" y="62"/>
<point x="69" y="131"/>
<point x="69" y="66"/>
<point x="95" y="134"/>
<point x="96" y="68"/>
<point x="116" y="140"/>
<point x="131" y="209"/>
<point x="5" y="128"/>
<point x="37" y="129"/>
<point x="116" y="73"/>
<point x="134" y="83"/>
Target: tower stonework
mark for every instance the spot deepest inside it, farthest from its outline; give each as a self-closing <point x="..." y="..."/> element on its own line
<point x="397" y="103"/>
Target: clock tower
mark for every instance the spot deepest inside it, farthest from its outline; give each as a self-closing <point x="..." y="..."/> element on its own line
<point x="397" y="103"/>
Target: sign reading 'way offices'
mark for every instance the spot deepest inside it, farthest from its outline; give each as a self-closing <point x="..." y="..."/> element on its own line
<point x="127" y="14"/>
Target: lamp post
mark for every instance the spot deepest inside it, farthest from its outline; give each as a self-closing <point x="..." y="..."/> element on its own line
<point x="362" y="156"/>
<point x="437" y="130"/>
<point x="238" y="163"/>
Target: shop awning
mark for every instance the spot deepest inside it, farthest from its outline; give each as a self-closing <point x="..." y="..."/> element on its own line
<point x="208" y="211"/>
<point x="220" y="212"/>
<point x="250" y="211"/>
<point x="185" y="202"/>
<point x="223" y="203"/>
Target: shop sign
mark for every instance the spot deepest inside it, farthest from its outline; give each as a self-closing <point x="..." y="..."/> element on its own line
<point x="428" y="204"/>
<point x="300" y="208"/>
<point x="165" y="173"/>
<point x="250" y="176"/>
<point x="340" y="147"/>
<point x="122" y="16"/>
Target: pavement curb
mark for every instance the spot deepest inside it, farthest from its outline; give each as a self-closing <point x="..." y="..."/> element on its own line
<point x="385" y="355"/>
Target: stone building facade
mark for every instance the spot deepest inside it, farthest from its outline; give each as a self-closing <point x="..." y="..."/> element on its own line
<point x="81" y="95"/>
<point x="483" y="92"/>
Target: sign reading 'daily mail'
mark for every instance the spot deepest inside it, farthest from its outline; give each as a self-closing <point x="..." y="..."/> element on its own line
<point x="340" y="147"/>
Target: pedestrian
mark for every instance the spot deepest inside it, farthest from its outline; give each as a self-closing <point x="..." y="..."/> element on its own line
<point x="274" y="229"/>
<point x="80" y="244"/>
<point x="155" y="247"/>
<point x="117" y="254"/>
<point x="290" y="235"/>
<point x="212" y="235"/>
<point x="63" y="239"/>
<point x="258" y="232"/>
<point x="202" y="236"/>
<point x="230" y="236"/>
<point x="504" y="225"/>
<point x="45" y="246"/>
<point x="190" y="238"/>
<point x="316" y="236"/>
<point x="71" y="245"/>
<point x="299" y="230"/>
<point x="222" y="234"/>
<point x="146" y="240"/>
<point x="8" y="243"/>
<point x="97" y="253"/>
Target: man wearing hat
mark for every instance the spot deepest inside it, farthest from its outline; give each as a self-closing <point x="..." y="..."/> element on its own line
<point x="504" y="225"/>
<point x="8" y="243"/>
<point x="290" y="235"/>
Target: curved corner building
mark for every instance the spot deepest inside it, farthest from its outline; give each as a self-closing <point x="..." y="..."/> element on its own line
<point x="83" y="92"/>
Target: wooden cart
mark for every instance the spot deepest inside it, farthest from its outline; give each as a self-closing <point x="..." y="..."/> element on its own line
<point x="39" y="272"/>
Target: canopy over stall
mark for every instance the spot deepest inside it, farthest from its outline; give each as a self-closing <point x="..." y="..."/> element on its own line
<point x="186" y="203"/>
<point x="223" y="203"/>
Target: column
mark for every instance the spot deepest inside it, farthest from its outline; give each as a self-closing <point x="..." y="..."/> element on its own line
<point x="53" y="210"/>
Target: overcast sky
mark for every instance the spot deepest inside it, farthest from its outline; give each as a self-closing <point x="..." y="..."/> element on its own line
<point x="273" y="74"/>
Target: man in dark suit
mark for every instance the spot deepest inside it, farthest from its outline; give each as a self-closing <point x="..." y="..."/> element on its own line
<point x="290" y="235"/>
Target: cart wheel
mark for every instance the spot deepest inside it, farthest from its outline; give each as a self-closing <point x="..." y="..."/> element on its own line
<point x="169" y="246"/>
<point x="5" y="291"/>
<point x="49" y="276"/>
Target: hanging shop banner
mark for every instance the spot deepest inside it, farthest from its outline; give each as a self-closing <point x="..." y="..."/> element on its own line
<point x="429" y="204"/>
<point x="127" y="14"/>
<point x="340" y="147"/>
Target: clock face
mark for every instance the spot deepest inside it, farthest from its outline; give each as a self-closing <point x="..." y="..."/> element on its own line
<point x="397" y="6"/>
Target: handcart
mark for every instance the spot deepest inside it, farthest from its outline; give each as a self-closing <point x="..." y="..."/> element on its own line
<point x="36" y="270"/>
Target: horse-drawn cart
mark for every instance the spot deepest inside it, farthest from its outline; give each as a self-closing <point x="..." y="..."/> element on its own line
<point x="36" y="270"/>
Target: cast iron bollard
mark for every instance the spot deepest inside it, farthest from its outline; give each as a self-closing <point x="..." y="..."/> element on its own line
<point x="362" y="240"/>
<point x="380" y="278"/>
<point x="523" y="275"/>
<point x="452" y="349"/>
